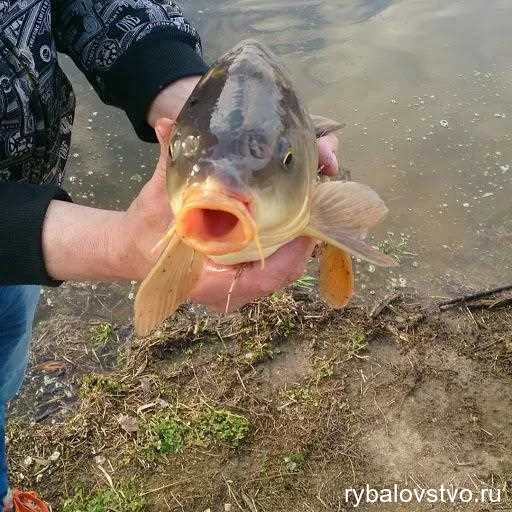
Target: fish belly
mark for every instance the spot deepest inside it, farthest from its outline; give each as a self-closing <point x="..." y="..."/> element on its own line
<point x="249" y="253"/>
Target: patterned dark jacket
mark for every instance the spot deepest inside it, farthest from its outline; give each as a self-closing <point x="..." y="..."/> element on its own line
<point x="128" y="49"/>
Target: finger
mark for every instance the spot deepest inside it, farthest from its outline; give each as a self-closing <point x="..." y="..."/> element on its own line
<point x="163" y="130"/>
<point x="327" y="150"/>
<point x="282" y="268"/>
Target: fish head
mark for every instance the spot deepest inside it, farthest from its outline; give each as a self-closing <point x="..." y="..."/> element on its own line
<point x="241" y="155"/>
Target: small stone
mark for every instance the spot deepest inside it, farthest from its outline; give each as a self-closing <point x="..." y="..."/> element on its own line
<point x="128" y="423"/>
<point x="54" y="456"/>
<point x="444" y="123"/>
<point x="100" y="460"/>
<point x="504" y="168"/>
<point x="465" y="205"/>
<point x="28" y="461"/>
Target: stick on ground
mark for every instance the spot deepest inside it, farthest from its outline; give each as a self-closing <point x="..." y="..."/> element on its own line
<point x="472" y="296"/>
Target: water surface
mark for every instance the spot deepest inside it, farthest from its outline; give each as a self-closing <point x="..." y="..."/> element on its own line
<point x="424" y="87"/>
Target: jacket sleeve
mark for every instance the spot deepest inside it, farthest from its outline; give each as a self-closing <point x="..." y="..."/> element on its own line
<point x="22" y="216"/>
<point x="129" y="50"/>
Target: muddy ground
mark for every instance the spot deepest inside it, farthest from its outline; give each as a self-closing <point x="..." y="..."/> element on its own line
<point x="280" y="407"/>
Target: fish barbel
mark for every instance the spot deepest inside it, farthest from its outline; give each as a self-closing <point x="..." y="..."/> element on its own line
<point x="241" y="182"/>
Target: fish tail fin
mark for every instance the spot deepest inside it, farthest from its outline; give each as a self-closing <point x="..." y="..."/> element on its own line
<point x="336" y="276"/>
<point x="168" y="285"/>
<point x="341" y="215"/>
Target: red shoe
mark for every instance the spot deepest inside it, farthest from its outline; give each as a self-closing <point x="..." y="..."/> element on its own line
<point x="28" y="502"/>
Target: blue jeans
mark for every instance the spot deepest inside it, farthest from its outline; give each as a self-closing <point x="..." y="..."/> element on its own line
<point x="17" y="308"/>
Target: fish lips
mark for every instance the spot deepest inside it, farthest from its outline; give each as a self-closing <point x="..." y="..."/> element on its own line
<point x="215" y="222"/>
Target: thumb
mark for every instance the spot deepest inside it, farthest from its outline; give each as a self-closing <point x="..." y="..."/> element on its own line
<point x="163" y="129"/>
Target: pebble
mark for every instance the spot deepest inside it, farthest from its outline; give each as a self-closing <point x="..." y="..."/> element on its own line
<point x="54" y="456"/>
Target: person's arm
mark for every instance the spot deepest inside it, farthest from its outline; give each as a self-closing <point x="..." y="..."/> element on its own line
<point x="129" y="51"/>
<point x="22" y="212"/>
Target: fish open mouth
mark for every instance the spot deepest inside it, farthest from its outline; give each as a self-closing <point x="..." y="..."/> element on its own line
<point x="214" y="222"/>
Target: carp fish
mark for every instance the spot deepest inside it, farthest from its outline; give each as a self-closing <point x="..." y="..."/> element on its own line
<point x="242" y="182"/>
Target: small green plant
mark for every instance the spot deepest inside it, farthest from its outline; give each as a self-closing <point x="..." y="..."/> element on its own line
<point x="264" y="465"/>
<point x="222" y="425"/>
<point x="355" y="344"/>
<point x="306" y="282"/>
<point x="294" y="461"/>
<point x="306" y="395"/>
<point x="92" y="383"/>
<point x="125" y="498"/>
<point x="322" y="369"/>
<point x="283" y="329"/>
<point x="170" y="435"/>
<point x="257" y="351"/>
<point x="395" y="249"/>
<point x="102" y="332"/>
<point x="163" y="432"/>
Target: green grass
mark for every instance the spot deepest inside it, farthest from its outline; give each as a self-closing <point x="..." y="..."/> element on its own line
<point x="163" y="433"/>
<point x="356" y="343"/>
<point x="322" y="369"/>
<point x="306" y="282"/>
<point x="125" y="498"/>
<point x="93" y="383"/>
<point x="294" y="461"/>
<point x="171" y="435"/>
<point x="222" y="425"/>
<point x="257" y="351"/>
<point x="101" y="333"/>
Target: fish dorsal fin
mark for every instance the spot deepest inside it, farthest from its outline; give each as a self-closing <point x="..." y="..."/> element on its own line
<point x="341" y="215"/>
<point x="336" y="276"/>
<point x="323" y="125"/>
<point x="169" y="284"/>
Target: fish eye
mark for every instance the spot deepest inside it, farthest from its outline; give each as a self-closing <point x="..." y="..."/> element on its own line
<point x="287" y="160"/>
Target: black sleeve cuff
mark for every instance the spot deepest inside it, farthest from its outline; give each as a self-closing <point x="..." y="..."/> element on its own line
<point x="22" y="213"/>
<point x="146" y="68"/>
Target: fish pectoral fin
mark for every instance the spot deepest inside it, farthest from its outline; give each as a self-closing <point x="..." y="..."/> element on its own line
<point x="341" y="215"/>
<point x="324" y="126"/>
<point x="168" y="285"/>
<point x="336" y="276"/>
